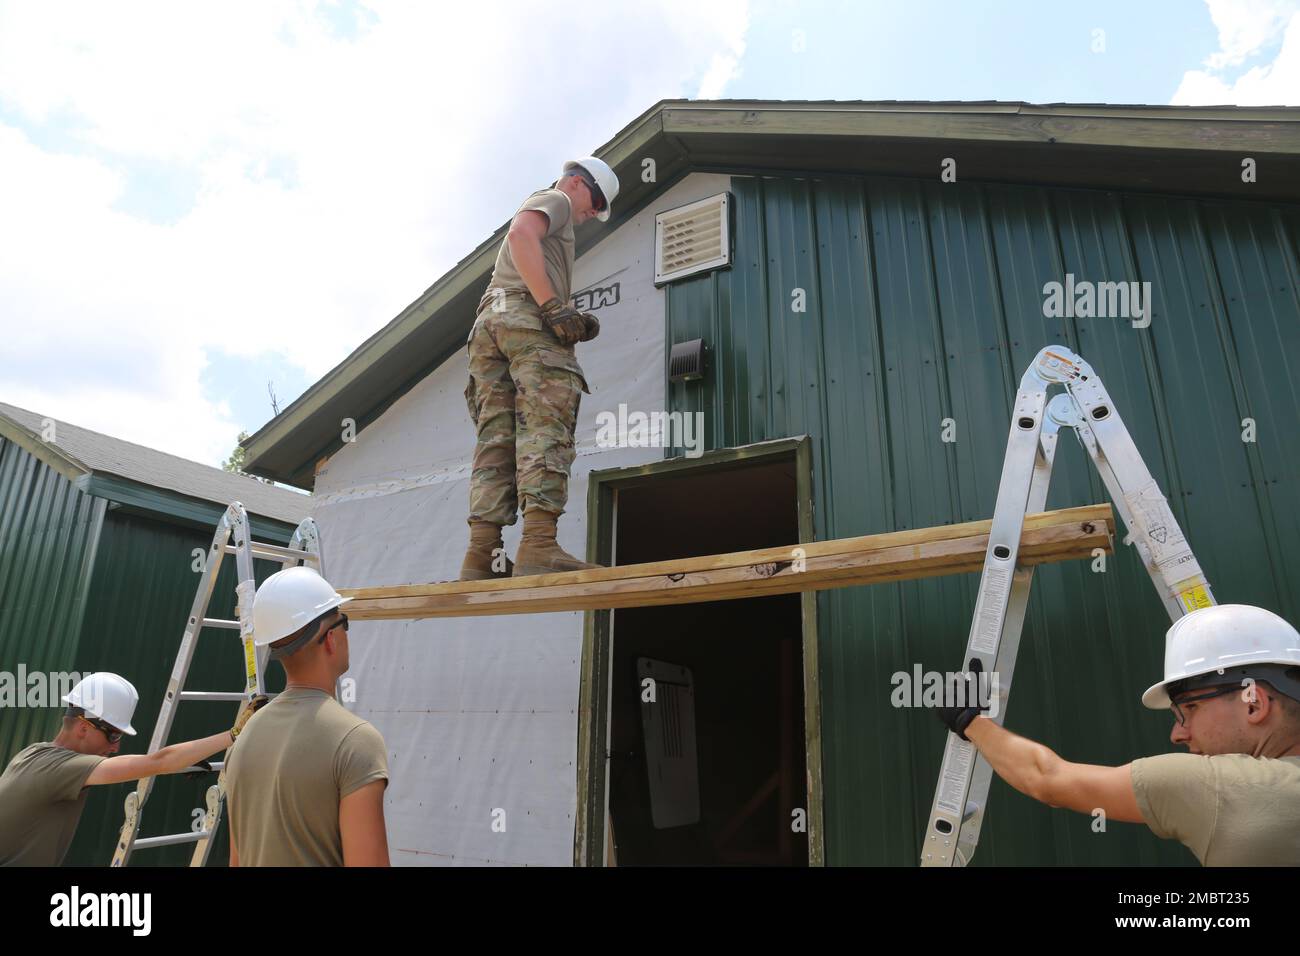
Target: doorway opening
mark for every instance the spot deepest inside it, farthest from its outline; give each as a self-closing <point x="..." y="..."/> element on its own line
<point x="708" y="758"/>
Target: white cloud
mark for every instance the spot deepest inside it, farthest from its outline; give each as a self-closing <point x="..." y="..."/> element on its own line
<point x="339" y="176"/>
<point x="1246" y="28"/>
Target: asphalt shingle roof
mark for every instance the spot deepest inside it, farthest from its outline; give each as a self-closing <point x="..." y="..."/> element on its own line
<point x="108" y="455"/>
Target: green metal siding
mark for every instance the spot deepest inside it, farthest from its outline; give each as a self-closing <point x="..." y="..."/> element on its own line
<point x="48" y="532"/>
<point x="139" y="601"/>
<point x="85" y="586"/>
<point x="924" y="301"/>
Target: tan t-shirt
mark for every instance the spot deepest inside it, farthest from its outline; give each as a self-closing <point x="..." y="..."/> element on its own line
<point x="42" y="794"/>
<point x="291" y="765"/>
<point x="557" y="247"/>
<point x="1229" y="809"/>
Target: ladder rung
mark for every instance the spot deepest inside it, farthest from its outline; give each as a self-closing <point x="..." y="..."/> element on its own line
<point x="220" y="622"/>
<point x="170" y="840"/>
<point x="275" y="552"/>
<point x="216" y="767"/>
<point x="232" y="695"/>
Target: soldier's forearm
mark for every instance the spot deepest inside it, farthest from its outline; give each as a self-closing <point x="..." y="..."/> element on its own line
<point x="1023" y="763"/>
<point x="177" y="757"/>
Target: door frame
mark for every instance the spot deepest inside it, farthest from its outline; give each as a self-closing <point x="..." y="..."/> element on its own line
<point x="589" y="842"/>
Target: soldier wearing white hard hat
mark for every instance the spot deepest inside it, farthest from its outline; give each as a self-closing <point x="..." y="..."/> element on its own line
<point x="43" y="790"/>
<point x="1232" y="681"/>
<point x="525" y="384"/>
<point x="306" y="783"/>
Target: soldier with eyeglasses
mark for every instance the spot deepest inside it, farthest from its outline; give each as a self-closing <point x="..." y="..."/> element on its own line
<point x="1232" y="681"/>
<point x="43" y="790"/>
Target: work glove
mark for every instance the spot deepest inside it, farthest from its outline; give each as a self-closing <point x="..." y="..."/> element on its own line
<point x="958" y="719"/>
<point x="593" y="327"/>
<point x="565" y="322"/>
<point x="257" y="703"/>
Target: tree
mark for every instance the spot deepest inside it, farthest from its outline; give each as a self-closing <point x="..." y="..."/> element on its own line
<point x="235" y="463"/>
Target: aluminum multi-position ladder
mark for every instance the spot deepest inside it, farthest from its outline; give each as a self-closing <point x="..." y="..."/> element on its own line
<point x="303" y="547"/>
<point x="964" y="776"/>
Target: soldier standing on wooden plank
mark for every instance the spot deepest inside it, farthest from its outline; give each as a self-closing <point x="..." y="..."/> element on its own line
<point x="525" y="383"/>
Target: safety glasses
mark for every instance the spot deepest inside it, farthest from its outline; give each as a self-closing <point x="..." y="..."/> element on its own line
<point x="597" y="197"/>
<point x="112" y="733"/>
<point x="1197" y="698"/>
<point x="341" y="622"/>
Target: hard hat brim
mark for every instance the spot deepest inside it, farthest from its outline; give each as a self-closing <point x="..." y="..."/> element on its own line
<point x="1156" y="697"/>
<point x="279" y="654"/>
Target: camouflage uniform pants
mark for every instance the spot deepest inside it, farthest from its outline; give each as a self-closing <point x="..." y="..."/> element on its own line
<point x="523" y="395"/>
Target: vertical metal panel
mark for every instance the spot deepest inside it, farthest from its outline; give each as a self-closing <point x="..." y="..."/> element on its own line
<point x="47" y="534"/>
<point x="924" y="302"/>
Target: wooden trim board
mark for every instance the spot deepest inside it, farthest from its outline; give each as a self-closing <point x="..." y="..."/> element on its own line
<point x="1064" y="535"/>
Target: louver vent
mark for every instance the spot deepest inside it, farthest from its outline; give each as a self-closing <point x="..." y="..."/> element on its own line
<point x="692" y="238"/>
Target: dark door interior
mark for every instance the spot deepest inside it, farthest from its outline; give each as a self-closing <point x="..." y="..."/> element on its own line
<point x="737" y="664"/>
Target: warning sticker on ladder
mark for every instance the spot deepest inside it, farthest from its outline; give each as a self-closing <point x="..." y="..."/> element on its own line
<point x="1065" y="369"/>
<point x="954" y="775"/>
<point x="1195" y="597"/>
<point x="1155" y="522"/>
<point x="988" y="618"/>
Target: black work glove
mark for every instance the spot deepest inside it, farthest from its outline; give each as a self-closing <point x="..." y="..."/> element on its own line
<point x="565" y="322"/>
<point x="958" y="719"/>
<point x="593" y="327"/>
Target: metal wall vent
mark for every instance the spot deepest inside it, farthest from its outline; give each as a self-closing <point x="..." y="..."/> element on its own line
<point x="686" y="361"/>
<point x="693" y="238"/>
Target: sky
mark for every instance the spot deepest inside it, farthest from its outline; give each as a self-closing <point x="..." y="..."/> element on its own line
<point x="202" y="203"/>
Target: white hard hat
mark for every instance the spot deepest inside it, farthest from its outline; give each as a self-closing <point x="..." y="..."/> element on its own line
<point x="1229" y="640"/>
<point x="106" y="696"/>
<point x="290" y="600"/>
<point x="599" y="170"/>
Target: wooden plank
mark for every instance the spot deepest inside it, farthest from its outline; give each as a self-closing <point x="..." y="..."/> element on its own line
<point x="1063" y="535"/>
<point x="1065" y="518"/>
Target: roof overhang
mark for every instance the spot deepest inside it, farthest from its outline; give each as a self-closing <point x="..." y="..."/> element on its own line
<point x="47" y="453"/>
<point x="1195" y="151"/>
<point x="134" y="497"/>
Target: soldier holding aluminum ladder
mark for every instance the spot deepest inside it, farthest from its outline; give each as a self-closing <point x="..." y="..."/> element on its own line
<point x="43" y="790"/>
<point x="1232" y="680"/>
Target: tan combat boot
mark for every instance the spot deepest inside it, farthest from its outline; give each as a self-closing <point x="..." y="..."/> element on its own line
<point x="538" y="551"/>
<point x="484" y="538"/>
